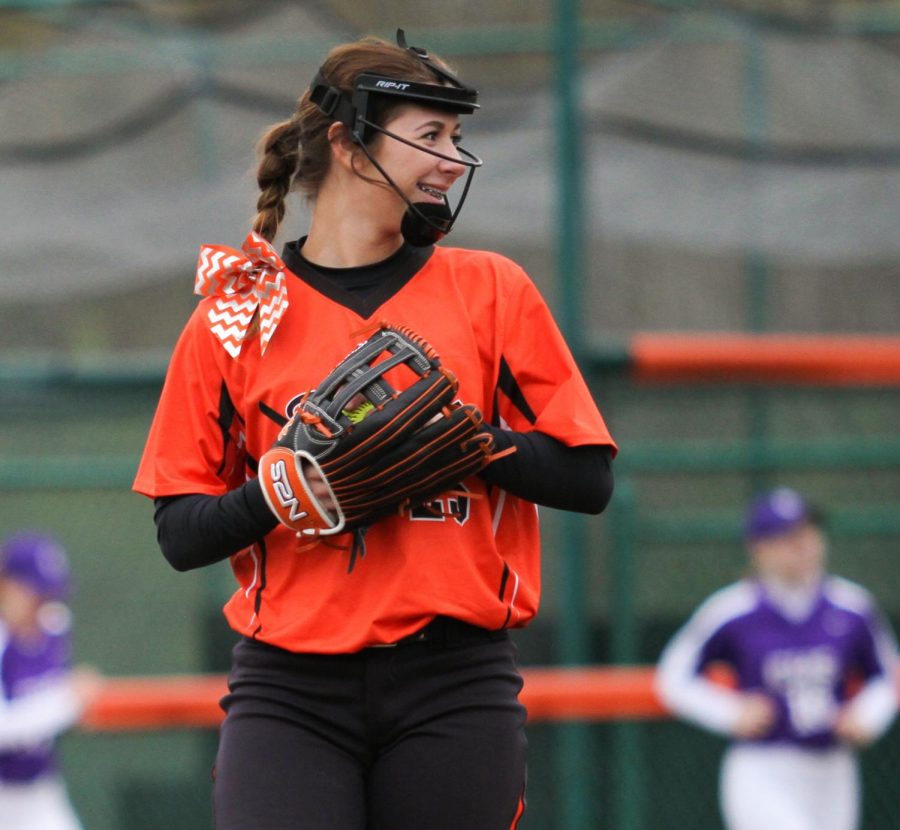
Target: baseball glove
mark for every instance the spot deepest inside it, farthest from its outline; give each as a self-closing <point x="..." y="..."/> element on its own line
<point x="381" y="432"/>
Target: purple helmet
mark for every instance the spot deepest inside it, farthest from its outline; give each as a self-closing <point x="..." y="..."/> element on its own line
<point x="777" y="511"/>
<point x="39" y="561"/>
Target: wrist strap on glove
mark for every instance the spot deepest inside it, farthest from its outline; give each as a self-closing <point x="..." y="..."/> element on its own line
<point x="290" y="497"/>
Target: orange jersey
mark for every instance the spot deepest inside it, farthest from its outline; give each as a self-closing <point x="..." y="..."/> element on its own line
<point x="219" y="414"/>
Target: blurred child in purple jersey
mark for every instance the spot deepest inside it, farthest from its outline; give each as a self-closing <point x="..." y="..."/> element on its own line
<point x="40" y="696"/>
<point x="815" y="670"/>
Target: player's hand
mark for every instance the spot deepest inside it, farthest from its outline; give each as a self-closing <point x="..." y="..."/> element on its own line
<point x="86" y="683"/>
<point x="848" y="729"/>
<point x="320" y="489"/>
<point x="756" y="715"/>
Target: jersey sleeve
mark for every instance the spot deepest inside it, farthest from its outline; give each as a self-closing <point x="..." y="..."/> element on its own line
<point x="40" y="716"/>
<point x="679" y="680"/>
<point x="195" y="444"/>
<point x="28" y="721"/>
<point x="539" y="385"/>
<point x="875" y="705"/>
<point x="689" y="694"/>
<point x="876" y="652"/>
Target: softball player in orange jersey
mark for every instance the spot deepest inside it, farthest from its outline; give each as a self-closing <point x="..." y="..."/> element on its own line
<point x="375" y="686"/>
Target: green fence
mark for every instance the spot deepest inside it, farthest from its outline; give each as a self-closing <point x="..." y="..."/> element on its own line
<point x="785" y="106"/>
<point x="70" y="438"/>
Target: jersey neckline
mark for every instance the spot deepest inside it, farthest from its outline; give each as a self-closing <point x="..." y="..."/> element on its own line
<point x="362" y="289"/>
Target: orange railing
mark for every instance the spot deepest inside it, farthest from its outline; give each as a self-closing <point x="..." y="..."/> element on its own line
<point x="558" y="694"/>
<point x="551" y="693"/>
<point x="768" y="358"/>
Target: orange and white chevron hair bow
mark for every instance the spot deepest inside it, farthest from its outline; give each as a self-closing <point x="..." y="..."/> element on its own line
<point x="242" y="283"/>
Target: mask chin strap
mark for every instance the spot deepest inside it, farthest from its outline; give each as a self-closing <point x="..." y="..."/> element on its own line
<point x="426" y="223"/>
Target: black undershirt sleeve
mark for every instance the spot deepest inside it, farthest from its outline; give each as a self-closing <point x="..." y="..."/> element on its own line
<point x="547" y="472"/>
<point x="196" y="530"/>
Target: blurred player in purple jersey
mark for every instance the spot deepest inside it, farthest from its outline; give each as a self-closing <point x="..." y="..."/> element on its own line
<point x="815" y="671"/>
<point x="41" y="696"/>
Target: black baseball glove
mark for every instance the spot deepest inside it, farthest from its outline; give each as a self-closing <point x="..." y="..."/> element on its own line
<point x="383" y="431"/>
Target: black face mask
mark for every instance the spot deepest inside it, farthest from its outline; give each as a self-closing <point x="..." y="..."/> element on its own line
<point x="425" y="223"/>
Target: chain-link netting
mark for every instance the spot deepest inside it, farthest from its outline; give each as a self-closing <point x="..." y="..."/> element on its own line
<point x="740" y="171"/>
<point x="739" y="164"/>
<point x="134" y="615"/>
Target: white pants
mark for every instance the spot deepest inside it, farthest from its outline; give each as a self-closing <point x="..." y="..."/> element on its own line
<point x="42" y="805"/>
<point x="784" y="788"/>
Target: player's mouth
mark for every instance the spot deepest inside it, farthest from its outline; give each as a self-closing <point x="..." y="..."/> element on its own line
<point x="439" y="196"/>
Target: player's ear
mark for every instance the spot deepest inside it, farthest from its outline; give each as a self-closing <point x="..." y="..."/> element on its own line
<point x="342" y="148"/>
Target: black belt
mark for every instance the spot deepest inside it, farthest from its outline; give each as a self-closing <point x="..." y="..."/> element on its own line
<point x="446" y="632"/>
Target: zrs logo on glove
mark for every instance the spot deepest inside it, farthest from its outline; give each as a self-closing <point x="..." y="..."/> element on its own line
<point x="282" y="487"/>
<point x="288" y="496"/>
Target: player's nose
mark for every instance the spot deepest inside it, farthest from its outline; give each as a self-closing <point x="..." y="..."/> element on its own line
<point x="452" y="165"/>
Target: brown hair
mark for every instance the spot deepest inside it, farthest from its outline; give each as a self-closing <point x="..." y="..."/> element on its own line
<point x="296" y="152"/>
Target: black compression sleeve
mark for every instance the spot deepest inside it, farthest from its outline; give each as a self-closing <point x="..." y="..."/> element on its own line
<point x="547" y="472"/>
<point x="196" y="530"/>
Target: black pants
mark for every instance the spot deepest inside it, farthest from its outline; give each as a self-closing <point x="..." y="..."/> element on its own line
<point x="425" y="735"/>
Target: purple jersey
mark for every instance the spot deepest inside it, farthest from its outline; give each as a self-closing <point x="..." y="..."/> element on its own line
<point x="28" y="667"/>
<point x="809" y="663"/>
